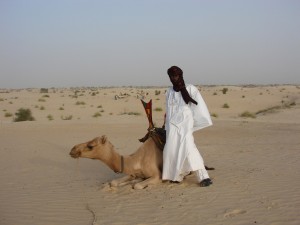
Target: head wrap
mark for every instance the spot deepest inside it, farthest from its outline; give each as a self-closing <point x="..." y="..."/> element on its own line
<point x="179" y="84"/>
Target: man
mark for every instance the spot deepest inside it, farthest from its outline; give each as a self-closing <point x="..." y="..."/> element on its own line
<point x="186" y="112"/>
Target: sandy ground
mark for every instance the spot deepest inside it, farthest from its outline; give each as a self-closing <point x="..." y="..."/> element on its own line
<point x="257" y="174"/>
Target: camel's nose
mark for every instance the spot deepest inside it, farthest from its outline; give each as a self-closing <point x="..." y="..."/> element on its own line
<point x="74" y="153"/>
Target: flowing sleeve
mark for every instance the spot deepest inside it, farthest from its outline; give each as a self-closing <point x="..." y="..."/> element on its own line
<point x="201" y="114"/>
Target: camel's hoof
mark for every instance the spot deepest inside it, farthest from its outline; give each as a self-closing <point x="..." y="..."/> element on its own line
<point x="138" y="186"/>
<point x="114" y="183"/>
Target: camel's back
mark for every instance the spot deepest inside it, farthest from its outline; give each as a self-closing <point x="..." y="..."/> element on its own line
<point x="150" y="154"/>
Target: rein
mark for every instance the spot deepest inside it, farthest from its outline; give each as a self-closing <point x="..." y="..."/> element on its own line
<point x="122" y="166"/>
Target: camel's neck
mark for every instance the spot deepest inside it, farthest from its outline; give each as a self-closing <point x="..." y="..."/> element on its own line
<point x="114" y="161"/>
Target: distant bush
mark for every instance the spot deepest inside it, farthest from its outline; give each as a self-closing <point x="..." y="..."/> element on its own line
<point x="225" y="106"/>
<point x="80" y="103"/>
<point x="158" y="109"/>
<point x="157" y="92"/>
<point x="97" y="114"/>
<point x="247" y="114"/>
<point x="50" y="117"/>
<point x="67" y="117"/>
<point x="44" y="90"/>
<point x="23" y="115"/>
<point x="7" y="114"/>
<point x="214" y="115"/>
<point x="224" y="90"/>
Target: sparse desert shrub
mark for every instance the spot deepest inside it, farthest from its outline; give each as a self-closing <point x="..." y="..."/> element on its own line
<point x="80" y="103"/>
<point x="67" y="117"/>
<point x="44" y="90"/>
<point x="247" y="114"/>
<point x="61" y="108"/>
<point x="1" y="99"/>
<point x="225" y="106"/>
<point x="214" y="115"/>
<point x="224" y="90"/>
<point x="50" y="117"/>
<point x="46" y="96"/>
<point x="42" y="107"/>
<point x="215" y="93"/>
<point x="7" y="114"/>
<point x="158" y="109"/>
<point x="157" y="92"/>
<point x="131" y="113"/>
<point x="99" y="106"/>
<point x="23" y="115"/>
<point x="97" y="114"/>
<point x="41" y="100"/>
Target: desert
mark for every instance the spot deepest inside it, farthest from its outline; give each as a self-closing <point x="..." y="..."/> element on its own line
<point x="253" y="146"/>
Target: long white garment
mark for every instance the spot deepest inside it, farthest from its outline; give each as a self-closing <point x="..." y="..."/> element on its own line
<point x="180" y="155"/>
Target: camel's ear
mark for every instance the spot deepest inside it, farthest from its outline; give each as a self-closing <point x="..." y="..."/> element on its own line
<point x="103" y="139"/>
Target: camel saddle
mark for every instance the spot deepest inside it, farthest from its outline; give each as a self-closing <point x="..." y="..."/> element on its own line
<point x="156" y="133"/>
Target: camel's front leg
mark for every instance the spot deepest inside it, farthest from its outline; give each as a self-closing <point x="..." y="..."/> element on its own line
<point x="147" y="182"/>
<point x="121" y="181"/>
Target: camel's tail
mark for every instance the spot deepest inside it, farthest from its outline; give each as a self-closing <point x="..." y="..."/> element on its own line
<point x="209" y="168"/>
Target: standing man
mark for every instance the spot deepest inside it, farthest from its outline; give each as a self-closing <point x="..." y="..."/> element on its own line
<point x="186" y="112"/>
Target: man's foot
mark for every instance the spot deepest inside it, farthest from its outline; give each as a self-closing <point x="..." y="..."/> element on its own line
<point x="174" y="182"/>
<point x="206" y="182"/>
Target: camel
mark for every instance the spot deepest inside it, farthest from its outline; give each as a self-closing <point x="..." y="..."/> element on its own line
<point x="145" y="164"/>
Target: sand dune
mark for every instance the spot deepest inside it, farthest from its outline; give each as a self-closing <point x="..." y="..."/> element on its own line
<point x="256" y="159"/>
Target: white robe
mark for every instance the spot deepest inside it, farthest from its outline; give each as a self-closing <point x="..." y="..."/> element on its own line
<point x="180" y="155"/>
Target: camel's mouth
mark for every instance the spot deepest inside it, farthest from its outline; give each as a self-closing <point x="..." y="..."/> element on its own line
<point x="74" y="154"/>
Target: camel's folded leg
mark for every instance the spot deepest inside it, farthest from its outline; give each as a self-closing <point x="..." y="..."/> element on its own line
<point x="145" y="183"/>
<point x="120" y="181"/>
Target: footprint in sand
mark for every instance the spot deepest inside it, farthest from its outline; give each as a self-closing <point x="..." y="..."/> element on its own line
<point x="234" y="213"/>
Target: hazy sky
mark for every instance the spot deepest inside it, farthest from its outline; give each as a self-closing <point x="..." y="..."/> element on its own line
<point x="68" y="43"/>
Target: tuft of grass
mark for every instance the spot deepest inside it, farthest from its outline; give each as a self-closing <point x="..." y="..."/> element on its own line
<point x="157" y="92"/>
<point x="224" y="90"/>
<point x="44" y="90"/>
<point x="225" y="106"/>
<point x="97" y="114"/>
<point x="23" y="115"/>
<point x="131" y="113"/>
<point x="50" y="117"/>
<point x="248" y="114"/>
<point x="8" y="114"/>
<point x="158" y="109"/>
<point x="41" y="100"/>
<point x="66" y="117"/>
<point x="80" y="103"/>
<point x="214" y="115"/>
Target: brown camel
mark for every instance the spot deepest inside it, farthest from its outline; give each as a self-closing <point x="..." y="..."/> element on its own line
<point x="145" y="164"/>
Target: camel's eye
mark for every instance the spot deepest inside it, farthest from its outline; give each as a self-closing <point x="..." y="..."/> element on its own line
<point x="90" y="147"/>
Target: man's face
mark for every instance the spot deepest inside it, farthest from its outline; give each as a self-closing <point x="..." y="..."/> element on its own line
<point x="174" y="78"/>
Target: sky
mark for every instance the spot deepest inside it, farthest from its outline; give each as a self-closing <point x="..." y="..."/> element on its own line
<point x="89" y="43"/>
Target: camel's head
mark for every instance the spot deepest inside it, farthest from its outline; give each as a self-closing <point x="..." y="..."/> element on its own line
<point x="92" y="149"/>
